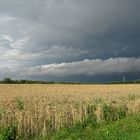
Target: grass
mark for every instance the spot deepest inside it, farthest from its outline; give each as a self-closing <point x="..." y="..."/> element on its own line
<point x="124" y="129"/>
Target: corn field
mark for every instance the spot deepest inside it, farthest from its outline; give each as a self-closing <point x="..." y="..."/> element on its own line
<point x="38" y="110"/>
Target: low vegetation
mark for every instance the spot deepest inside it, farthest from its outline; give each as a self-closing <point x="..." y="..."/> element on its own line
<point x="57" y="111"/>
<point x="124" y="129"/>
<point x="25" y="81"/>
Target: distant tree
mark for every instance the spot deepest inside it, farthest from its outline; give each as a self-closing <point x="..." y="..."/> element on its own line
<point x="7" y="80"/>
<point x="22" y="81"/>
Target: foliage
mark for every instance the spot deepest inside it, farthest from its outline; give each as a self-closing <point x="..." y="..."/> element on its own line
<point x="19" y="103"/>
<point x="124" y="129"/>
<point x="91" y="117"/>
<point x="126" y="82"/>
<point x="8" y="133"/>
<point x="7" y="80"/>
<point x="111" y="113"/>
<point x="25" y="81"/>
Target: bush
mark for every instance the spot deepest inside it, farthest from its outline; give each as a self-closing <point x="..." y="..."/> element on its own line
<point x="111" y="113"/>
<point x="8" y="133"/>
<point x="91" y="117"/>
<point x="20" y="103"/>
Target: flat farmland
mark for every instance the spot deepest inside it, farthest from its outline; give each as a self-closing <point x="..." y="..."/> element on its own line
<point x="40" y="109"/>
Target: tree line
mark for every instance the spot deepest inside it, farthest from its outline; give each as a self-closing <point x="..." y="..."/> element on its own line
<point x="22" y="81"/>
<point x="25" y="81"/>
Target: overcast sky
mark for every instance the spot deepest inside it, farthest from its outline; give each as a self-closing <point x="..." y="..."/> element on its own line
<point x="70" y="40"/>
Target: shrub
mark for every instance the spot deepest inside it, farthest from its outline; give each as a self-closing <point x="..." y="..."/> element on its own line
<point x="111" y="113"/>
<point x="20" y="103"/>
<point x="122" y="111"/>
<point x="8" y="133"/>
<point x="91" y="117"/>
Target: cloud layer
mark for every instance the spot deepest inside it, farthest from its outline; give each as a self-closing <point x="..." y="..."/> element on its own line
<point x="87" y="67"/>
<point x="51" y="31"/>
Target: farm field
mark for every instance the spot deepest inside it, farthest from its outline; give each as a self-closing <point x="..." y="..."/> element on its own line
<point x="35" y="110"/>
<point x="123" y="129"/>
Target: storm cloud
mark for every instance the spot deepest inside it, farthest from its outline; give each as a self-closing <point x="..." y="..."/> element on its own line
<point x="88" y="67"/>
<point x="73" y="33"/>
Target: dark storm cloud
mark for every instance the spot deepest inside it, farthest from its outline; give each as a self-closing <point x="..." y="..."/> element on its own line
<point x="40" y="32"/>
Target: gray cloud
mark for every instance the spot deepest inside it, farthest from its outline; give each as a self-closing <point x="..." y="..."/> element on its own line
<point x="40" y="32"/>
<point x="87" y="67"/>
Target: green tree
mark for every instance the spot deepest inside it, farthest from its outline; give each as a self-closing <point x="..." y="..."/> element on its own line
<point x="7" y="80"/>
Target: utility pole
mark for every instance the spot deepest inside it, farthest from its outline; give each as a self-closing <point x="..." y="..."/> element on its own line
<point x="123" y="78"/>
